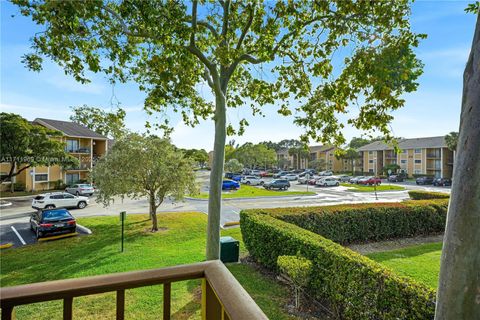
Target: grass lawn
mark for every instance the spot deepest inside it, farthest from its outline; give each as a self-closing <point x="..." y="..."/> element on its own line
<point x="362" y="188"/>
<point x="421" y="262"/>
<point x="249" y="191"/>
<point x="182" y="241"/>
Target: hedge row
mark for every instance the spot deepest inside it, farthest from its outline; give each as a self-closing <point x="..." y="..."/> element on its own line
<point x="425" y="195"/>
<point x="355" y="286"/>
<point x="356" y="223"/>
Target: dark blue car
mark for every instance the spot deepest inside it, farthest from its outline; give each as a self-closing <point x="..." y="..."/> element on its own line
<point x="230" y="185"/>
<point x="233" y="176"/>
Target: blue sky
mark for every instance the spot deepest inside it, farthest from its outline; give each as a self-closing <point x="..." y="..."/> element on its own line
<point x="431" y="111"/>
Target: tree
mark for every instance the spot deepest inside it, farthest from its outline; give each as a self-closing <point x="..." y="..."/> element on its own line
<point x="458" y="289"/>
<point x="111" y="124"/>
<point x="451" y="140"/>
<point x="233" y="165"/>
<point x="356" y="143"/>
<point x="255" y="155"/>
<point x="169" y="47"/>
<point x="318" y="164"/>
<point x="299" y="153"/>
<point x="283" y="162"/>
<point x="199" y="156"/>
<point x="144" y="166"/>
<point x="24" y="145"/>
<point x="351" y="154"/>
<point x="393" y="167"/>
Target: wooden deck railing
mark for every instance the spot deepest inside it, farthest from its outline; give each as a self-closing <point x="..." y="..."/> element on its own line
<point x="222" y="296"/>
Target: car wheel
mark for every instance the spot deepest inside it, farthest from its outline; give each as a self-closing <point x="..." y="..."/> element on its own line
<point x="77" y="193"/>
<point x="325" y="185"/>
<point x="39" y="234"/>
<point x="337" y="184"/>
<point x="261" y="183"/>
<point x="248" y="182"/>
<point x="50" y="206"/>
<point x="81" y="205"/>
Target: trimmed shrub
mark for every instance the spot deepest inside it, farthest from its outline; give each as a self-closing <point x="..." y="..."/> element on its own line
<point x="356" y="223"/>
<point x="298" y="270"/>
<point x="355" y="286"/>
<point x="423" y="195"/>
<point x="18" y="186"/>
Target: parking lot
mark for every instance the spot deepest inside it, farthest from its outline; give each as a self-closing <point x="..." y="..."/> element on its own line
<point x="19" y="234"/>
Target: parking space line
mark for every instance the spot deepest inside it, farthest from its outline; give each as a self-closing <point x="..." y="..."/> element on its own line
<point x="18" y="235"/>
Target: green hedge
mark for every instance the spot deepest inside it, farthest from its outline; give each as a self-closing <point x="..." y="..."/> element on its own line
<point x="355" y="223"/>
<point x="425" y="195"/>
<point x="355" y="286"/>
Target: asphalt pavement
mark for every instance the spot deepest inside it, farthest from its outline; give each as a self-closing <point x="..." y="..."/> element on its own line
<point x="17" y="215"/>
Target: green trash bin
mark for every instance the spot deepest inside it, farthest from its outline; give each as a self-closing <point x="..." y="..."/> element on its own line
<point x="229" y="249"/>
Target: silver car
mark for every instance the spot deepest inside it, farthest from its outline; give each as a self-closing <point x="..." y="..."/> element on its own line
<point x="82" y="189"/>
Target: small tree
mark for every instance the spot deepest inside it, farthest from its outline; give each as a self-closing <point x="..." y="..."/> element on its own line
<point x="24" y="145"/>
<point x="106" y="123"/>
<point x="144" y="166"/>
<point x="451" y="140"/>
<point x="393" y="167"/>
<point x="233" y="165"/>
<point x="351" y="155"/>
<point x="318" y="164"/>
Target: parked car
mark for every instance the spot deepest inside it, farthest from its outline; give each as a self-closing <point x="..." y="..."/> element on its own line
<point x="59" y="200"/>
<point x="263" y="174"/>
<point x="395" y="178"/>
<point x="344" y="178"/>
<point x="424" y="180"/>
<point x="280" y="184"/>
<point x="442" y="182"/>
<point x="355" y="179"/>
<point x="303" y="179"/>
<point x="370" y="181"/>
<point x="362" y="180"/>
<point x="326" y="173"/>
<point x="280" y="173"/>
<point x="80" y="189"/>
<point x="328" y="181"/>
<point x="230" y="185"/>
<point x="252" y="180"/>
<point x="312" y="181"/>
<point x="52" y="222"/>
<point x="290" y="177"/>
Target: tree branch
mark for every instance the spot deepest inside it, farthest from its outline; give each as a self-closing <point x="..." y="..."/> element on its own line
<point x="124" y="26"/>
<point x="194" y="23"/>
<point x="208" y="78"/>
<point x="226" y="9"/>
<point x="206" y="25"/>
<point x="247" y="27"/>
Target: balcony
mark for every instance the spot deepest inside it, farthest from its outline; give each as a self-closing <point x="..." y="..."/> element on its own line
<point x="83" y="150"/>
<point x="433" y="156"/>
<point x="80" y="167"/>
<point x="222" y="296"/>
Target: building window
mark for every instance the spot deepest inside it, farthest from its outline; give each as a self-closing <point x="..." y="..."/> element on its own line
<point x="41" y="177"/>
<point x="403" y="161"/>
<point x="418" y="161"/>
<point x="370" y="161"/>
<point x="370" y="152"/>
<point x="72" y="178"/>
<point x="72" y="145"/>
<point x="370" y="170"/>
<point x="3" y="175"/>
<point x="404" y="151"/>
<point x="416" y="171"/>
<point x="418" y="150"/>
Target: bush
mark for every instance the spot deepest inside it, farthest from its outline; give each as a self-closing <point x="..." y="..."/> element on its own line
<point x="354" y="223"/>
<point x="58" y="184"/>
<point x="425" y="195"/>
<point x="18" y="186"/>
<point x="355" y="286"/>
<point x="298" y="269"/>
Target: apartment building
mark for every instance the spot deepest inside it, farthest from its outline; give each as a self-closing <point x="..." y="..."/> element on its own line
<point x="419" y="156"/>
<point x="84" y="144"/>
<point x="320" y="152"/>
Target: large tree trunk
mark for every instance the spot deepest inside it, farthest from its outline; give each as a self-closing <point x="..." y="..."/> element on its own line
<point x="153" y="213"/>
<point x="216" y="177"/>
<point x="458" y="295"/>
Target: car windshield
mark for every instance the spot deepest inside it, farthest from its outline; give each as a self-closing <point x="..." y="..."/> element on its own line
<point x="84" y="186"/>
<point x="56" y="215"/>
<point x="39" y="197"/>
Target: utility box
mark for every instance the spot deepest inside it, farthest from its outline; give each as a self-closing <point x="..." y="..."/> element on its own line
<point x="229" y="249"/>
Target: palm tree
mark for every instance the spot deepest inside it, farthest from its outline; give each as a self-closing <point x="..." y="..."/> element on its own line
<point x="451" y="140"/>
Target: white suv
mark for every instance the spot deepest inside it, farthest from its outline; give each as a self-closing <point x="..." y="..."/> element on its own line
<point x="58" y="200"/>
<point x="252" y="180"/>
<point x="325" y="182"/>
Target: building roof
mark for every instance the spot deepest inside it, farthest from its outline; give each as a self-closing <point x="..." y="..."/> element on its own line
<point x="69" y="128"/>
<point x="415" y="143"/>
<point x="321" y="148"/>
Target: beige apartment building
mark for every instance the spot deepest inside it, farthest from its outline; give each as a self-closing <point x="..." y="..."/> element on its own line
<point x="321" y="152"/>
<point x="80" y="142"/>
<point x="419" y="156"/>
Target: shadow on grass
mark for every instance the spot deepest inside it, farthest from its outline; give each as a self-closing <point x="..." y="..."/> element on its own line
<point x="408" y="252"/>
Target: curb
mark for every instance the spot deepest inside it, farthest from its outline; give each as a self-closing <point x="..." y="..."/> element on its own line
<point x="4" y="203"/>
<point x="68" y="235"/>
<point x="84" y="229"/>
<point x="231" y="224"/>
<point x="6" y="245"/>
<point x="19" y="197"/>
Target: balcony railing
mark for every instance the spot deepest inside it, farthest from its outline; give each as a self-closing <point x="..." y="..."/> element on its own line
<point x="433" y="156"/>
<point x="79" y="150"/>
<point x="222" y="296"/>
<point x="81" y="166"/>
